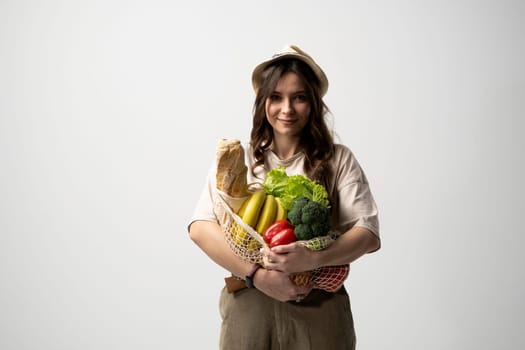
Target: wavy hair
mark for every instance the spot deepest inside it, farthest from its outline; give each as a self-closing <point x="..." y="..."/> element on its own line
<point x="316" y="140"/>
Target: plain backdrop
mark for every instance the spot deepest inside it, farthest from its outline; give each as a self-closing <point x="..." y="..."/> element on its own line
<point x="109" y="116"/>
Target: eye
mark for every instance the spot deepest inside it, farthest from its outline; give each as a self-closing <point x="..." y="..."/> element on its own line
<point x="301" y="98"/>
<point x="274" y="97"/>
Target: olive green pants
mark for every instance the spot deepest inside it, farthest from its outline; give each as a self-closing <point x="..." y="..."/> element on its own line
<point x="253" y="321"/>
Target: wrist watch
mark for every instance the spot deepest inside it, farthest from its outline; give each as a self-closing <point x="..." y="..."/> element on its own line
<point x="249" y="277"/>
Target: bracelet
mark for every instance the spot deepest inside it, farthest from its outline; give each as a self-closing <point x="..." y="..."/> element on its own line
<point x="249" y="278"/>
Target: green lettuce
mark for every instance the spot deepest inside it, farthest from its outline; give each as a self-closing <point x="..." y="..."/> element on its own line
<point x="287" y="188"/>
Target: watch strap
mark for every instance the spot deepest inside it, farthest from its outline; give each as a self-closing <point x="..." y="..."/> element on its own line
<point x="249" y="277"/>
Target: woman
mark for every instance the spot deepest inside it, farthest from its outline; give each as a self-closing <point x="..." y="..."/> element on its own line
<point x="289" y="129"/>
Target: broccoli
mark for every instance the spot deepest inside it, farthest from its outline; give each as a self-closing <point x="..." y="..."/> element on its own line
<point x="303" y="232"/>
<point x="295" y="214"/>
<point x="312" y="212"/>
<point x="310" y="218"/>
<point x="321" y="228"/>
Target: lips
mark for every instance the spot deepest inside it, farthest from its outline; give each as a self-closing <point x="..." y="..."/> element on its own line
<point x="287" y="121"/>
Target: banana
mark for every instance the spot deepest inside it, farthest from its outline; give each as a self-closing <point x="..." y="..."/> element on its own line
<point x="281" y="212"/>
<point x="267" y="217"/>
<point x="239" y="232"/>
<point x="253" y="207"/>
<point x="242" y="209"/>
<point x="242" y="238"/>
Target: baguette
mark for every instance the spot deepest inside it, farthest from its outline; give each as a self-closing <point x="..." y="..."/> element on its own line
<point x="231" y="169"/>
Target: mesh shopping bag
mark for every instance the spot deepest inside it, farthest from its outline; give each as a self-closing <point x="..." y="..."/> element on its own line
<point x="243" y="240"/>
<point x="246" y="243"/>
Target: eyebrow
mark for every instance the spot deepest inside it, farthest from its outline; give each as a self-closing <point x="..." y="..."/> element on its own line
<point x="294" y="93"/>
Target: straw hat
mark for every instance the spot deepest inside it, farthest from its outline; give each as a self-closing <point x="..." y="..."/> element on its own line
<point x="290" y="51"/>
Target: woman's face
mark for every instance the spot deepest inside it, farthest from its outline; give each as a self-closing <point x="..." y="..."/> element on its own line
<point x="288" y="107"/>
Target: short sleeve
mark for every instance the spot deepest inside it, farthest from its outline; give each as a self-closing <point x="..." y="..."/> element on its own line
<point x="204" y="208"/>
<point x="355" y="205"/>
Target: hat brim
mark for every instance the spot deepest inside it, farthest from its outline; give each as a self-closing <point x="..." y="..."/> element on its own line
<point x="257" y="75"/>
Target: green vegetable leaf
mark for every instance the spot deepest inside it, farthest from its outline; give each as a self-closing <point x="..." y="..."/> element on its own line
<point x="287" y="188"/>
<point x="276" y="182"/>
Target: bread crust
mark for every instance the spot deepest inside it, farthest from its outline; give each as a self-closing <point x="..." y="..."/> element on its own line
<point x="232" y="172"/>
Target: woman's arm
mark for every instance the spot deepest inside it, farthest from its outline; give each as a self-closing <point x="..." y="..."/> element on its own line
<point x="210" y="238"/>
<point x="349" y="247"/>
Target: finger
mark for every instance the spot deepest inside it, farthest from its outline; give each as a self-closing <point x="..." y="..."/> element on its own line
<point x="267" y="263"/>
<point x="265" y="256"/>
<point x="271" y="259"/>
<point x="264" y="250"/>
<point x="272" y="262"/>
<point x="285" y="248"/>
<point x="274" y="256"/>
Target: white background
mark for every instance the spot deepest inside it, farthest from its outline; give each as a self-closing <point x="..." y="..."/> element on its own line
<point x="109" y="115"/>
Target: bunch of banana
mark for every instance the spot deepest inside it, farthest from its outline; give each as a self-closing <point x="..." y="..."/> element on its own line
<point x="259" y="211"/>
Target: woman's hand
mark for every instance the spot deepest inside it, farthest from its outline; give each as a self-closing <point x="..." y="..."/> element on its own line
<point x="277" y="285"/>
<point x="289" y="258"/>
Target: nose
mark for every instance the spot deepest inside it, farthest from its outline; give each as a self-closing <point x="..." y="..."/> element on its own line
<point x="287" y="107"/>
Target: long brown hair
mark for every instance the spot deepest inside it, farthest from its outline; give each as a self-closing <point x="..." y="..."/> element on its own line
<point x="316" y="139"/>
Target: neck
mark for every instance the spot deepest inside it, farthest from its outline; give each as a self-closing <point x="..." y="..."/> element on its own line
<point x="285" y="148"/>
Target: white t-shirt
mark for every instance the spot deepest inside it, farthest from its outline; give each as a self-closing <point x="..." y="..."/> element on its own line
<point x="355" y="205"/>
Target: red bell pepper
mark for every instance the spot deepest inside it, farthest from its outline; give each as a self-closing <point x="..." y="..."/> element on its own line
<point x="283" y="237"/>
<point x="280" y="232"/>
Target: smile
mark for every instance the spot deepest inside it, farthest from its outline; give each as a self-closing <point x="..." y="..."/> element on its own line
<point x="287" y="121"/>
